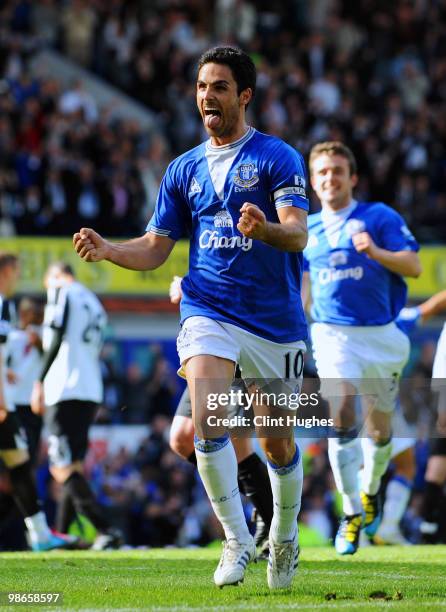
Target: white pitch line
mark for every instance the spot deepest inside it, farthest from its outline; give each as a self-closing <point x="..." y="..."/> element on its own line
<point x="304" y="572"/>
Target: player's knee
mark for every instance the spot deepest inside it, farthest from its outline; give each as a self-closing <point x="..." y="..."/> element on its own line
<point x="405" y="464"/>
<point x="61" y="474"/>
<point x="344" y="412"/>
<point x="181" y="446"/>
<point x="181" y="440"/>
<point x="279" y="451"/>
<point x="379" y="427"/>
<point x="380" y="437"/>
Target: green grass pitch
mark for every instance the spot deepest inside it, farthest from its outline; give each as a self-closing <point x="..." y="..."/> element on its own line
<point x="381" y="578"/>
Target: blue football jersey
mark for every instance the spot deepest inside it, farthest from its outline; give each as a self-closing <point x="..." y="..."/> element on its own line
<point x="233" y="278"/>
<point x="347" y="287"/>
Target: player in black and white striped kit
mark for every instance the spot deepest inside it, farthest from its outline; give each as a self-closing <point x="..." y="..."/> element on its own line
<point x="13" y="443"/>
<point x="24" y="362"/>
<point x="69" y="392"/>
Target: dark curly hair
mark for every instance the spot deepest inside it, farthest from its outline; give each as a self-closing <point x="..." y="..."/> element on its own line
<point x="241" y="65"/>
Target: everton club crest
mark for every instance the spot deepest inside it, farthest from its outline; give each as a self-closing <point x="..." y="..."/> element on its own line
<point x="246" y="175"/>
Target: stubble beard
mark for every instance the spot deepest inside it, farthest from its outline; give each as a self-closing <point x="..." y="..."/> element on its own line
<point x="228" y="127"/>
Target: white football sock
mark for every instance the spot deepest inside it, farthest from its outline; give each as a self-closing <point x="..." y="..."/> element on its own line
<point x="38" y="528"/>
<point x="397" y="497"/>
<point x="286" y="485"/>
<point x="376" y="461"/>
<point x="345" y="460"/>
<point x="217" y="466"/>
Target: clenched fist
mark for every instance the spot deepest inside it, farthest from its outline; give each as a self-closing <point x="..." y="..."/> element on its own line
<point x="252" y="222"/>
<point x="363" y="243"/>
<point x="90" y="246"/>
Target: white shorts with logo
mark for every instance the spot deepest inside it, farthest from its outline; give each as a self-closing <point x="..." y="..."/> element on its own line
<point x="258" y="358"/>
<point x="371" y="358"/>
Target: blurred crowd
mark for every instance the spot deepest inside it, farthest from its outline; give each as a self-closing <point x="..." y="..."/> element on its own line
<point x="59" y="170"/>
<point x="157" y="499"/>
<point x="370" y="73"/>
<point x="138" y="388"/>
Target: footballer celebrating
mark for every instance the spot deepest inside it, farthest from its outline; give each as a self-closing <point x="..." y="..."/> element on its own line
<point x="241" y="198"/>
<point x="357" y="255"/>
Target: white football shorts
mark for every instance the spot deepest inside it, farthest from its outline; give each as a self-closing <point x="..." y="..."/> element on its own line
<point x="371" y="358"/>
<point x="258" y="358"/>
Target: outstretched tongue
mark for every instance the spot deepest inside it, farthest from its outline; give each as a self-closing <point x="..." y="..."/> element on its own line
<point x="212" y="121"/>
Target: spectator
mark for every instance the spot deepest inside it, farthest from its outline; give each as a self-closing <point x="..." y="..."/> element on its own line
<point x="78" y="22"/>
<point x="372" y="79"/>
<point x="77" y="100"/>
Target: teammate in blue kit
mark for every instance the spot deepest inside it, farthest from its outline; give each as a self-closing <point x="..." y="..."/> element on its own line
<point x="357" y="255"/>
<point x="241" y="198"/>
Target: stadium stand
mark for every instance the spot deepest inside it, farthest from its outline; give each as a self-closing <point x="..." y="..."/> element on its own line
<point x="371" y="78"/>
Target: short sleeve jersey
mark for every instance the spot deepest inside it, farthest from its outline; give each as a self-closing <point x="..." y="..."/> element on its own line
<point x="75" y="372"/>
<point x="350" y="288"/>
<point x="233" y="278"/>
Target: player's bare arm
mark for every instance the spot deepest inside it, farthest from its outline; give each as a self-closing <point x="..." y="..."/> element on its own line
<point x="433" y="306"/>
<point x="147" y="252"/>
<point x="406" y="263"/>
<point x="288" y="235"/>
<point x="38" y="398"/>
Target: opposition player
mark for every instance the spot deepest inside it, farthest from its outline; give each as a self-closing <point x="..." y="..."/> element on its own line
<point x="22" y="356"/>
<point x="252" y="473"/>
<point x="13" y="444"/>
<point x="241" y="198"/>
<point x="68" y="392"/>
<point x="24" y="362"/>
<point x="357" y="255"/>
